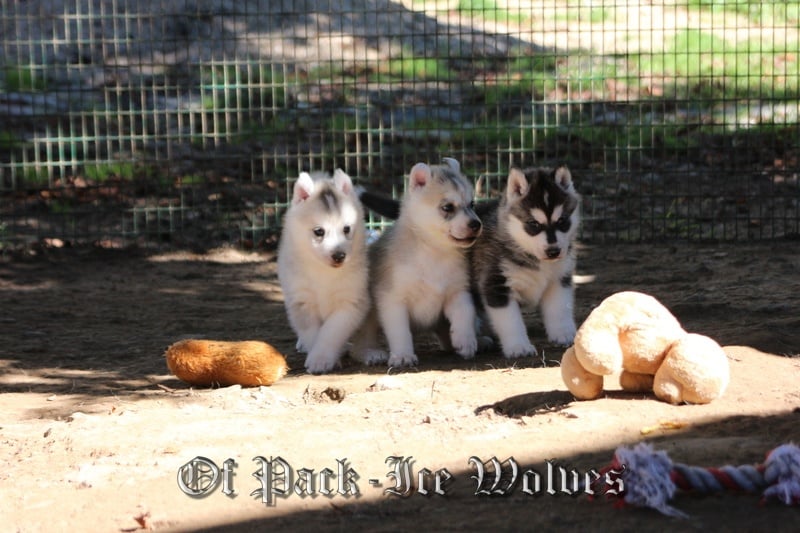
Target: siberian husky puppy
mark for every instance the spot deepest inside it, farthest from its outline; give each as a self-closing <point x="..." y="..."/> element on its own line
<point x="322" y="267"/>
<point x="526" y="257"/>
<point x="418" y="269"/>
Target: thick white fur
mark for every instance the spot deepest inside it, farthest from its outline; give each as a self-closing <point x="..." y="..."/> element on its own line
<point x="419" y="271"/>
<point x="325" y="302"/>
<point x="556" y="304"/>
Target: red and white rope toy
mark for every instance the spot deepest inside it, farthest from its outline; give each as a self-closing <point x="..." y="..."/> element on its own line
<point x="651" y="478"/>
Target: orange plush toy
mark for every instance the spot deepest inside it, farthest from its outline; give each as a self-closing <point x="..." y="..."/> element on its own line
<point x="222" y="363"/>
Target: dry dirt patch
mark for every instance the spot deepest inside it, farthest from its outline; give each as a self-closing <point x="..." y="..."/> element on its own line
<point x="93" y="430"/>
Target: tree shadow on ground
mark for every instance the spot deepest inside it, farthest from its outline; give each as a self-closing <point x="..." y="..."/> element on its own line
<point x="740" y="440"/>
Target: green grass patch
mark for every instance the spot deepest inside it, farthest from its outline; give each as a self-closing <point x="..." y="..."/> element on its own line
<point x="707" y="66"/>
<point x="581" y="72"/>
<point x="24" y="79"/>
<point x="488" y="10"/>
<point x="9" y="140"/>
<point x="192" y="180"/>
<point x="32" y="177"/>
<point x="409" y="67"/>
<point x="511" y="91"/>
<point x="692" y="53"/>
<point x="342" y="122"/>
<point x="101" y="172"/>
<point x="765" y="12"/>
<point x="525" y="77"/>
<point x="593" y="15"/>
<point x="658" y="136"/>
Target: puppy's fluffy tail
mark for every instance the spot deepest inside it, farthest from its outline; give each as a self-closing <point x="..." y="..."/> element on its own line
<point x="384" y="205"/>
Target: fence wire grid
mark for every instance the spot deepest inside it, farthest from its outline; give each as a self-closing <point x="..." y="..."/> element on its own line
<point x="185" y="123"/>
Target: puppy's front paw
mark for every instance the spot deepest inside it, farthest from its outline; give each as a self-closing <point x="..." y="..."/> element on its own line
<point x="316" y="364"/>
<point x="519" y="349"/>
<point x="373" y="356"/>
<point x="562" y="336"/>
<point x="400" y="360"/>
<point x="465" y="345"/>
<point x="301" y="346"/>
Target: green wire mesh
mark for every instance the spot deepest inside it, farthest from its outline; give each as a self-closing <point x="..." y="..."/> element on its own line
<point x="185" y="122"/>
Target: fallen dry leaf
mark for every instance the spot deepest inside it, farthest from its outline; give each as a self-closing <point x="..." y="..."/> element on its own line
<point x="664" y="424"/>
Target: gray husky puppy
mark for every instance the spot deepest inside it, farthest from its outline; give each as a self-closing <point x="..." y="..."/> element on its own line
<point x="418" y="269"/>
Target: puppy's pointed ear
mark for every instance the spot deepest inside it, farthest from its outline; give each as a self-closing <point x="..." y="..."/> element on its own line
<point x="419" y="176"/>
<point x="342" y="181"/>
<point x="303" y="188"/>
<point x="479" y="185"/>
<point x="517" y="186"/>
<point x="563" y="178"/>
<point x="452" y="163"/>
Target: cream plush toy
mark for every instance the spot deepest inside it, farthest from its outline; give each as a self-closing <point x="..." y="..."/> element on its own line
<point x="633" y="333"/>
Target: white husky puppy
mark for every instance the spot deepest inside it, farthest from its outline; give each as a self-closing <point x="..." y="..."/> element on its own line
<point x="419" y="271"/>
<point x="322" y="267"/>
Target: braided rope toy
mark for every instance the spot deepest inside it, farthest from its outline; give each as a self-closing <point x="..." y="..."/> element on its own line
<point x="651" y="478"/>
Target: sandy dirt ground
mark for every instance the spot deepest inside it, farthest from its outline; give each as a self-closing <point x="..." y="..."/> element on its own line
<point x="94" y="430"/>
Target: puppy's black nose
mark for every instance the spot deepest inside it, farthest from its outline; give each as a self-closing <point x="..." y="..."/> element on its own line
<point x="474" y="224"/>
<point x="338" y="257"/>
<point x="553" y="252"/>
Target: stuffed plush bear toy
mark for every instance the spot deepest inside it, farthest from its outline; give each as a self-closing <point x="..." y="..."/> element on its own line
<point x="633" y="333"/>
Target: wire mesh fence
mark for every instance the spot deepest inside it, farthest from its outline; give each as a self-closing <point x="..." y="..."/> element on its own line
<point x="186" y="122"/>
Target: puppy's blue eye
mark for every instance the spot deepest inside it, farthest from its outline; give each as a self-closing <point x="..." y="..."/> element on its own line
<point x="319" y="232"/>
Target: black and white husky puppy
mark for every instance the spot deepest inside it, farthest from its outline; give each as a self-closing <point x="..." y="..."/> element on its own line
<point x="526" y="257"/>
